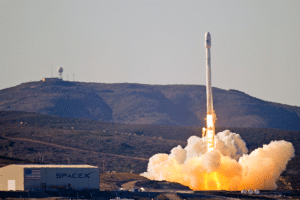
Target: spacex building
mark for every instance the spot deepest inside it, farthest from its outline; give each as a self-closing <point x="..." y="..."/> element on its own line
<point x="47" y="177"/>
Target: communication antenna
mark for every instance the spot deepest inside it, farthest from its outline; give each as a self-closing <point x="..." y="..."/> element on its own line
<point x="60" y="71"/>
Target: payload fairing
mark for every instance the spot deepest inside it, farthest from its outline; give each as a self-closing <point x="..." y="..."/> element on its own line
<point x="209" y="131"/>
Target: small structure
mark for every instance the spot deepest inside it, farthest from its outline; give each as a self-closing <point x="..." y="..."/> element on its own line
<point x="51" y="79"/>
<point x="60" y="71"/>
<point x="134" y="190"/>
<point x="256" y="192"/>
<point x="44" y="177"/>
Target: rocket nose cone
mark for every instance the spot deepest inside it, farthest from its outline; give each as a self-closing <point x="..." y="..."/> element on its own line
<point x="207" y="34"/>
<point x="207" y="40"/>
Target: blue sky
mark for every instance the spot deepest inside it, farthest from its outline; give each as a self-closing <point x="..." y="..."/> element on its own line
<point x="255" y="44"/>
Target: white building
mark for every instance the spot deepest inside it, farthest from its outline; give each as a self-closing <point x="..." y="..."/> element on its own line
<point x="43" y="177"/>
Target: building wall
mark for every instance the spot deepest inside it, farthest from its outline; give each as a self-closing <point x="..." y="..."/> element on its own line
<point x="39" y="177"/>
<point x="50" y="79"/>
<point x="9" y="173"/>
<point x="77" y="178"/>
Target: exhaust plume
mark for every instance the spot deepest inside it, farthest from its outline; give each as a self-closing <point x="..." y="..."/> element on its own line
<point x="226" y="167"/>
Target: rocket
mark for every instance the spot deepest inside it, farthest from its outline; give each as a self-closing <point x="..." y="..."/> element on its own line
<point x="209" y="100"/>
<point x="209" y="131"/>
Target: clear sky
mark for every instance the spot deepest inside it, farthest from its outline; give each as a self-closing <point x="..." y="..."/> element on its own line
<point x="255" y="43"/>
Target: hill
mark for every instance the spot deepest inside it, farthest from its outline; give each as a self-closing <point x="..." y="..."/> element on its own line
<point x="174" y="105"/>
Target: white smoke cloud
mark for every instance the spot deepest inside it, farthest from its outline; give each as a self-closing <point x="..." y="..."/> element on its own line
<point x="227" y="167"/>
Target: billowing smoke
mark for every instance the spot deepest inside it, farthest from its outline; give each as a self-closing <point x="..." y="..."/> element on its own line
<point x="227" y="167"/>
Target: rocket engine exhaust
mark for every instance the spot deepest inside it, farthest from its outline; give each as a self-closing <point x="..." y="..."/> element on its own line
<point x="209" y="131"/>
<point x="220" y="161"/>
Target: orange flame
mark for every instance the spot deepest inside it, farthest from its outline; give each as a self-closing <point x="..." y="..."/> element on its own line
<point x="210" y="132"/>
<point x="211" y="180"/>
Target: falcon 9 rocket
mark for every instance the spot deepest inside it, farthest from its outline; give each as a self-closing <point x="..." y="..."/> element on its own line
<point x="209" y="131"/>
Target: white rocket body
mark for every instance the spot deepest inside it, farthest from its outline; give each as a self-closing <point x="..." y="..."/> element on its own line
<point x="209" y="99"/>
<point x="209" y="131"/>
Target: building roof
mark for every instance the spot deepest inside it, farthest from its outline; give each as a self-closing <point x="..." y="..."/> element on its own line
<point x="51" y="166"/>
